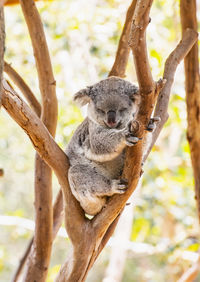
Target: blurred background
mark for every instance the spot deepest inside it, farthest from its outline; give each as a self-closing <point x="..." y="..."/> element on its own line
<point x="158" y="238"/>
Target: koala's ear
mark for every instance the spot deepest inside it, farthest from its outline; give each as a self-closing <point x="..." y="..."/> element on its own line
<point x="82" y="97"/>
<point x="135" y="97"/>
<point x="133" y="93"/>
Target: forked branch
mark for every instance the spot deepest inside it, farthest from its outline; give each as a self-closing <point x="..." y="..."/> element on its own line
<point x="49" y="151"/>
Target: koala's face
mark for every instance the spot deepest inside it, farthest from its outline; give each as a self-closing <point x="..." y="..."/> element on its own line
<point x="112" y="102"/>
<point x="112" y="110"/>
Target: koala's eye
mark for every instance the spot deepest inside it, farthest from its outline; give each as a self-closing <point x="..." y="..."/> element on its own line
<point x="100" y="111"/>
<point x="123" y="110"/>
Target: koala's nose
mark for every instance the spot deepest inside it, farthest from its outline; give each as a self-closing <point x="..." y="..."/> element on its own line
<point x="111" y="118"/>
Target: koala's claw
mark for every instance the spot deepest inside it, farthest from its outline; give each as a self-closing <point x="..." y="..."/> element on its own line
<point x="131" y="140"/>
<point x="119" y="186"/>
<point x="152" y="123"/>
<point x="124" y="181"/>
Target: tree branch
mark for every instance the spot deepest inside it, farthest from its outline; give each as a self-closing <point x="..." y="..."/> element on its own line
<point x="22" y="261"/>
<point x="52" y="154"/>
<point x="44" y="144"/>
<point x="192" y="88"/>
<point x="121" y="59"/>
<point x="47" y="82"/>
<point x="188" y="39"/>
<point x="191" y="274"/>
<point x="58" y="214"/>
<point x="25" y="89"/>
<point x="137" y="42"/>
<point x="40" y="258"/>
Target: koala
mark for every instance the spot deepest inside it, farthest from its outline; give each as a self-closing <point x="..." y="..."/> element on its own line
<point x="96" y="151"/>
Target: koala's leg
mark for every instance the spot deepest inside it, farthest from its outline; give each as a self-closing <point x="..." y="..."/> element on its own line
<point x="91" y="188"/>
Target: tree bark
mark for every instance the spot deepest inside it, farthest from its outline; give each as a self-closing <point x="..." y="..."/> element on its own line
<point x="39" y="258"/>
<point x="192" y="88"/>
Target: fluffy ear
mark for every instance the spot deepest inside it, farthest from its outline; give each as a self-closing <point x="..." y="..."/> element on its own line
<point x="135" y="97"/>
<point x="133" y="93"/>
<point x="82" y="97"/>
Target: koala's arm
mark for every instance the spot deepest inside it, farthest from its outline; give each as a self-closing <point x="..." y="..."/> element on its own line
<point x="105" y="144"/>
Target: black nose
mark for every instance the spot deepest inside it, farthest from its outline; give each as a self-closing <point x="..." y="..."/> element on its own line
<point x="111" y="117"/>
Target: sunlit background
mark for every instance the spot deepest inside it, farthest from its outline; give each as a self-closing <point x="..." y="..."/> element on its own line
<point x="160" y="235"/>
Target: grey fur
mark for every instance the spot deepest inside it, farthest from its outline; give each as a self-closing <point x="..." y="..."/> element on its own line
<point x="96" y="150"/>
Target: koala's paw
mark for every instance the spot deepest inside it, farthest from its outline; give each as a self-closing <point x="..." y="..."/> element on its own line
<point x="152" y="123"/>
<point x="130" y="132"/>
<point x="119" y="186"/>
<point x="131" y="140"/>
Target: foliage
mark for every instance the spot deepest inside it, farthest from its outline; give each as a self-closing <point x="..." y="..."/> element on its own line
<point x="82" y="37"/>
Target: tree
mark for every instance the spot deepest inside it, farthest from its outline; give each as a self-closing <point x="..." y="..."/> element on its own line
<point x="88" y="237"/>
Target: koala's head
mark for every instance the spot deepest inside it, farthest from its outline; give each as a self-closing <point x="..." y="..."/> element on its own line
<point x="111" y="102"/>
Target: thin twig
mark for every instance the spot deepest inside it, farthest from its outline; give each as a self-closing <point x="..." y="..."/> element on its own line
<point x="22" y="262"/>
